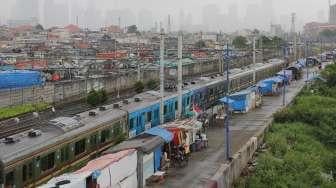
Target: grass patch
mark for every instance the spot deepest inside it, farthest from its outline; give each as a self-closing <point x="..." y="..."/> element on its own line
<point x="301" y="145"/>
<point x="13" y="111"/>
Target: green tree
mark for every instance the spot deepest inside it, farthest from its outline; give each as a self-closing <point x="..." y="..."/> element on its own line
<point x="329" y="73"/>
<point x="139" y="87"/>
<point x="132" y="29"/>
<point x="39" y="27"/>
<point x="328" y="34"/>
<point x="152" y="84"/>
<point x="200" y="44"/>
<point x="93" y="98"/>
<point x="103" y="96"/>
<point x="240" y="42"/>
<point x="277" y="41"/>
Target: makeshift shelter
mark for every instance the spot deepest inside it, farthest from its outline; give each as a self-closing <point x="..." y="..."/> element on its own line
<point x="287" y="75"/>
<point x="110" y="170"/>
<point x="242" y="101"/>
<point x="256" y="97"/>
<point x="149" y="148"/>
<point x="185" y="133"/>
<point x="271" y="86"/>
<point x="296" y="70"/>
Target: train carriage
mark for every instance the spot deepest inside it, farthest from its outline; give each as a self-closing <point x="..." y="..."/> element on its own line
<point x="65" y="142"/>
<point x="30" y="158"/>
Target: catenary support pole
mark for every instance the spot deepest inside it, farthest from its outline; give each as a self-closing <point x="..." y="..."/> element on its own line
<point x="254" y="59"/>
<point x="162" y="76"/>
<point x="227" y="119"/>
<point x="179" y="73"/>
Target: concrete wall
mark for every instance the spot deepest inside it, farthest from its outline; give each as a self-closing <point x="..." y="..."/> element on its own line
<point x="231" y="171"/>
<point x="67" y="91"/>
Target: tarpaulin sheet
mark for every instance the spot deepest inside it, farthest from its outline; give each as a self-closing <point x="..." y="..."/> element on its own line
<point x="225" y="100"/>
<point x="163" y="133"/>
<point x="20" y="79"/>
<point x="76" y="180"/>
<point x="235" y="104"/>
<point x="112" y="168"/>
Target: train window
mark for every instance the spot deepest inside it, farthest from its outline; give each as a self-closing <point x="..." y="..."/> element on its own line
<point x="211" y="91"/>
<point x="117" y="130"/>
<point x="30" y="170"/>
<point x="105" y="135"/>
<point x="24" y="173"/>
<point x="9" y="179"/>
<point x="165" y="109"/>
<point x="156" y="114"/>
<point x="132" y="123"/>
<point x="80" y="147"/>
<point x="176" y="105"/>
<point x="27" y="172"/>
<point x="65" y="153"/>
<point x="48" y="162"/>
<point x="94" y="140"/>
<point x="149" y="116"/>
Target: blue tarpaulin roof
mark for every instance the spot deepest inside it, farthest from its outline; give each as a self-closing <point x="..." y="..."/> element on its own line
<point x="163" y="133"/>
<point x="275" y="79"/>
<point x="225" y="100"/>
<point x="243" y="92"/>
<point x="301" y="62"/>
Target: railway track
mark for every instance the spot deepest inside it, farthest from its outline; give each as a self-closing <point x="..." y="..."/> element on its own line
<point x="26" y="122"/>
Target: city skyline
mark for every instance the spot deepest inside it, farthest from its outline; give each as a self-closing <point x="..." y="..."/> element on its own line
<point x="229" y="15"/>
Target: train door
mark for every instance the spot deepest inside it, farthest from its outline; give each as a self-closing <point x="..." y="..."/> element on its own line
<point x="141" y="123"/>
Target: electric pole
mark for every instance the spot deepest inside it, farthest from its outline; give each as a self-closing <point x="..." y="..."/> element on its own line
<point x="162" y="76"/>
<point x="179" y="73"/>
<point x="227" y="119"/>
<point x="254" y="59"/>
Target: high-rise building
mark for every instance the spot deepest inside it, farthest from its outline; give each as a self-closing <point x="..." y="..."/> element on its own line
<point x="211" y="17"/>
<point x="254" y="16"/>
<point x="145" y="20"/>
<point x="55" y="14"/>
<point x="332" y="14"/>
<point x="233" y="20"/>
<point x="268" y="13"/>
<point x="25" y="9"/>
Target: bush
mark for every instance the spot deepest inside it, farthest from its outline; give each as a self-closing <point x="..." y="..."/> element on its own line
<point x="152" y="84"/>
<point x="95" y="98"/>
<point x="139" y="87"/>
<point x="103" y="96"/>
<point x="329" y="73"/>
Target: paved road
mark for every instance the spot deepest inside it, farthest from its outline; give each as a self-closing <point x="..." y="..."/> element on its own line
<point x="204" y="164"/>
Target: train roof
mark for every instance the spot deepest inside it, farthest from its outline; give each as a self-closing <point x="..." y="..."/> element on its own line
<point x="56" y="131"/>
<point x="62" y="128"/>
<point x="146" y="99"/>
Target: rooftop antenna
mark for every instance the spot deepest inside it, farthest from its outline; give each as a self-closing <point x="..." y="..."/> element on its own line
<point x="76" y="20"/>
<point x="169" y="24"/>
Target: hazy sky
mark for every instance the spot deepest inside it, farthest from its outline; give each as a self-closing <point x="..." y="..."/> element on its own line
<point x="306" y="10"/>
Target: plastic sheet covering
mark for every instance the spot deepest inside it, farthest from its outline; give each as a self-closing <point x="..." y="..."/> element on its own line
<point x="163" y="133"/>
<point x="75" y="181"/>
<point x="20" y="79"/>
<point x="113" y="168"/>
<point x="129" y="182"/>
